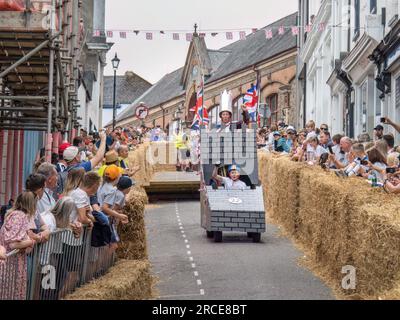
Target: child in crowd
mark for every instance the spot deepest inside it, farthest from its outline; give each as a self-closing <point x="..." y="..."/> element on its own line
<point x="359" y="165"/>
<point x="233" y="182"/>
<point x="107" y="197"/>
<point x="377" y="164"/>
<point x="90" y="184"/>
<point x="314" y="150"/>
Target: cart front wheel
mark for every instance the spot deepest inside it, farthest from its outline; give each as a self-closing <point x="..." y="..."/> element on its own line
<point x="210" y="234"/>
<point x="256" y="237"/>
<point x="218" y="236"/>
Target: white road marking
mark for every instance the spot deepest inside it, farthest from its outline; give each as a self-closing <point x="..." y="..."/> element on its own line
<point x="198" y="282"/>
<point x="202" y="292"/>
<point x="193" y="265"/>
<point x="186" y="240"/>
<point x="196" y="274"/>
<point x="191" y="258"/>
<point x="187" y="247"/>
<point x="189" y="253"/>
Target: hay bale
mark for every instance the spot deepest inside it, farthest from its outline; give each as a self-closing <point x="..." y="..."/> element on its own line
<point x="133" y="234"/>
<point x="127" y="280"/>
<point x="138" y="158"/>
<point x="336" y="223"/>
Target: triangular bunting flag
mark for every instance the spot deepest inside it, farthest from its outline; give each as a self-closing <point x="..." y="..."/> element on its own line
<point x="268" y="34"/>
<point x="149" y="36"/>
<point x="175" y="36"/>
<point x="242" y="35"/>
<point x="229" y="36"/>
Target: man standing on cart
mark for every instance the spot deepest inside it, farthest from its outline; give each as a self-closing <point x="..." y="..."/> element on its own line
<point x="226" y="115"/>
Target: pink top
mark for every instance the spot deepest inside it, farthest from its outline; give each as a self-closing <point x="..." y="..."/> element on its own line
<point x="14" y="229"/>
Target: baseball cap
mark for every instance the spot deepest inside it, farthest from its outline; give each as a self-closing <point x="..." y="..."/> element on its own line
<point x="113" y="172"/>
<point x="277" y="133"/>
<point x="70" y="153"/>
<point x="290" y="128"/>
<point x="62" y="147"/>
<point x="125" y="183"/>
<point x="378" y="127"/>
<point x="233" y="167"/>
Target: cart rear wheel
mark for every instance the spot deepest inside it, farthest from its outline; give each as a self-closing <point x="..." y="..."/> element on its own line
<point x="256" y="237"/>
<point x="249" y="234"/>
<point x="218" y="236"/>
<point x="210" y="234"/>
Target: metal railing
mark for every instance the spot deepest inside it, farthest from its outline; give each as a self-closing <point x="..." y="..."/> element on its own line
<point x="54" y="269"/>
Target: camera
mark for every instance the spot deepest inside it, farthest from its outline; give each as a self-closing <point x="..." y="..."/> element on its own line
<point x="383" y="120"/>
<point x="330" y="149"/>
<point x="390" y="170"/>
<point x="364" y="162"/>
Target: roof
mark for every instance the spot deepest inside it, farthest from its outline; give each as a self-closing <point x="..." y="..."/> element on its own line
<point x="129" y="87"/>
<point x="256" y="48"/>
<point x="165" y="89"/>
<point x="225" y="61"/>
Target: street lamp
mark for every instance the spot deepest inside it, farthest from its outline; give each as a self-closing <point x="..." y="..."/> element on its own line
<point x="115" y="64"/>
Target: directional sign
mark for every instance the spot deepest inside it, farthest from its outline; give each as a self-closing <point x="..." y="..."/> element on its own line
<point x="142" y="112"/>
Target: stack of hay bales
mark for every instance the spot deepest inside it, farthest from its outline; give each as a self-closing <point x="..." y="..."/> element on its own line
<point x="127" y="280"/>
<point x="138" y="158"/>
<point x="337" y="222"/>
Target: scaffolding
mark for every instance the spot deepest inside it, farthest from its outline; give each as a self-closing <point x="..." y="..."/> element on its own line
<point x="39" y="67"/>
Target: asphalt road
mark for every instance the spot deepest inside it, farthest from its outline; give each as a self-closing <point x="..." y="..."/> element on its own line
<point x="190" y="266"/>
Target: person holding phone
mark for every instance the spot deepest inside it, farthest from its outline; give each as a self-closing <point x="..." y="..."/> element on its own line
<point x="377" y="164"/>
<point x="386" y="120"/>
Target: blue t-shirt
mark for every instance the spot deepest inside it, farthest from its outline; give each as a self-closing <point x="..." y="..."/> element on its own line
<point x="87" y="165"/>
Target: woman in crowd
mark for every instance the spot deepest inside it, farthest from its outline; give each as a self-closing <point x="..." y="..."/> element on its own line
<point x="377" y="164"/>
<point x="74" y="180"/>
<point x="2" y="253"/>
<point x="382" y="146"/>
<point x="14" y="235"/>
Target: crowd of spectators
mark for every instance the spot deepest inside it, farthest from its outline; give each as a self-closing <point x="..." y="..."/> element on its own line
<point x="376" y="159"/>
<point x="83" y="188"/>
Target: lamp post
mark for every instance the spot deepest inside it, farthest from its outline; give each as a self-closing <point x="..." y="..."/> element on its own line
<point x="115" y="64"/>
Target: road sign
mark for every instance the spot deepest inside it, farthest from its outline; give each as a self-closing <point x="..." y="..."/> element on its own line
<point x="142" y="112"/>
<point x="264" y="111"/>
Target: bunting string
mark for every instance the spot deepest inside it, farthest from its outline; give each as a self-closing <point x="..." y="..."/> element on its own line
<point x="228" y="34"/>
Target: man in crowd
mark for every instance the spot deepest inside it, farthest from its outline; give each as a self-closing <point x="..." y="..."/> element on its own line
<point x="325" y="139"/>
<point x="123" y="153"/>
<point x="378" y="132"/>
<point x="341" y="160"/>
<point x="79" y="142"/>
<point x="47" y="202"/>
<point x="73" y="158"/>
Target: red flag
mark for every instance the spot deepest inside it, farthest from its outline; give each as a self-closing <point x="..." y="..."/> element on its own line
<point x="229" y="36"/>
<point x="175" y="36"/>
<point x="281" y="30"/>
<point x="268" y="34"/>
<point x="122" y="35"/>
<point x="149" y="35"/>
<point x="242" y="35"/>
<point x="110" y="34"/>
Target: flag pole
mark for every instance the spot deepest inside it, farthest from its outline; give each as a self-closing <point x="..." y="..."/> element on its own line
<point x="258" y="96"/>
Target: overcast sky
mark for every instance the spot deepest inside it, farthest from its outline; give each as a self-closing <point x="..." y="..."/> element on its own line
<point x="153" y="59"/>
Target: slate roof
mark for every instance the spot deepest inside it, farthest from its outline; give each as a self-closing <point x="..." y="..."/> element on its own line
<point x="256" y="48"/>
<point x="230" y="59"/>
<point x="129" y="87"/>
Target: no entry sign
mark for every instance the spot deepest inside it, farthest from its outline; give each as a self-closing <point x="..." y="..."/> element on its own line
<point x="142" y="112"/>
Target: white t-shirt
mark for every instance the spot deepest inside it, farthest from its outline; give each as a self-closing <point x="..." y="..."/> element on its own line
<point x="319" y="151"/>
<point x="310" y="135"/>
<point x="81" y="200"/>
<point x="119" y="198"/>
<point x="49" y="220"/>
<point x="233" y="185"/>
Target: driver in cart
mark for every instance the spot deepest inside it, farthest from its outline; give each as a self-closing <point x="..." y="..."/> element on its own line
<point x="232" y="182"/>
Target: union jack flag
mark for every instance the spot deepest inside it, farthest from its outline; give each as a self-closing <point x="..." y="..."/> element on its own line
<point x="122" y="35"/>
<point x="110" y="34"/>
<point x="295" y="31"/>
<point x="251" y="101"/>
<point x="201" y="113"/>
<point x="281" y="31"/>
<point x="268" y="34"/>
<point x="149" y="36"/>
<point x="242" y="35"/>
<point x="321" y="27"/>
<point x="229" y="36"/>
<point x="189" y="37"/>
<point x="175" y="36"/>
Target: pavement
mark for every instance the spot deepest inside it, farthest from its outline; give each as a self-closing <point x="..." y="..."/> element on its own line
<point x="191" y="267"/>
